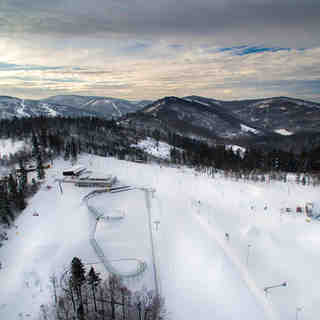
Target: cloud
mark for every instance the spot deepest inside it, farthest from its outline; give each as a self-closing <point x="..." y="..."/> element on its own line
<point x="207" y="71"/>
<point x="16" y="67"/>
<point x="138" y="49"/>
<point x="283" y="21"/>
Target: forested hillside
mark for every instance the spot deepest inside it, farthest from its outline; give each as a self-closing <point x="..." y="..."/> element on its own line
<point x="49" y="138"/>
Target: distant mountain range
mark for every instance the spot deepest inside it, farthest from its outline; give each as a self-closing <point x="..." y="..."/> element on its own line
<point x="279" y="114"/>
<point x="274" y="119"/>
<point x="68" y="105"/>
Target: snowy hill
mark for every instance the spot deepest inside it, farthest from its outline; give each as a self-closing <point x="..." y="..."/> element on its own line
<point x="103" y="106"/>
<point x="194" y="119"/>
<point x="282" y="115"/>
<point x="280" y="122"/>
<point x="67" y="106"/>
<point x="201" y="273"/>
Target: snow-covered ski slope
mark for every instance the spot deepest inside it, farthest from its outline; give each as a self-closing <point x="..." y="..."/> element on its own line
<point x="202" y="274"/>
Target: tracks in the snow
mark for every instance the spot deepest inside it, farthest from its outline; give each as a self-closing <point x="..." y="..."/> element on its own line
<point x="141" y="265"/>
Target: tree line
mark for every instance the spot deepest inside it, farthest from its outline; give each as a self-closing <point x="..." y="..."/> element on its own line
<point x="84" y="295"/>
<point x="193" y="152"/>
<point x="68" y="137"/>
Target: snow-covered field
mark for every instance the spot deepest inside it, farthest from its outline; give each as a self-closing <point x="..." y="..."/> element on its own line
<point x="158" y="149"/>
<point x="284" y="132"/>
<point x="202" y="273"/>
<point x="8" y="146"/>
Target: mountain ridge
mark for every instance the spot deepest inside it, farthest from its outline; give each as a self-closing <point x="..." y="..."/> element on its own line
<point x="68" y="105"/>
<point x="262" y="121"/>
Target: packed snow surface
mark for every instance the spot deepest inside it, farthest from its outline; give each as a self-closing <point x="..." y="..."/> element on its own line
<point x="235" y="148"/>
<point x="203" y="273"/>
<point x="284" y="132"/>
<point x="156" y="148"/>
<point x="248" y="129"/>
<point x="8" y="146"/>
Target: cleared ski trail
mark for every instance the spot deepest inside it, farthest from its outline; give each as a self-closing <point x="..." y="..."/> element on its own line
<point x="232" y="257"/>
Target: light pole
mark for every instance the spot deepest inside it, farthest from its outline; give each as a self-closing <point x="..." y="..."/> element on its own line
<point x="298" y="309"/>
<point x="284" y="284"/>
<point x="248" y="252"/>
<point x="157" y="222"/>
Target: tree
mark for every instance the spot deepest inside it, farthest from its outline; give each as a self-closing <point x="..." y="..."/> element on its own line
<point x="111" y="298"/>
<point x="73" y="151"/>
<point x="35" y="145"/>
<point x="12" y="188"/>
<point x="37" y="155"/>
<point x="77" y="280"/>
<point x="93" y="280"/>
<point x="114" y="291"/>
<point x="40" y="169"/>
<point x="5" y="209"/>
<point x="67" y="151"/>
<point x="23" y="181"/>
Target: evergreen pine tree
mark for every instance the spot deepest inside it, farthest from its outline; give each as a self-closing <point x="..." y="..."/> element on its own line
<point x="93" y="280"/>
<point x="35" y="145"/>
<point x="37" y="155"/>
<point x="6" y="214"/>
<point x="73" y="151"/>
<point x="12" y="188"/>
<point x="67" y="151"/>
<point x="23" y="181"/>
<point x="40" y="169"/>
<point x="77" y="281"/>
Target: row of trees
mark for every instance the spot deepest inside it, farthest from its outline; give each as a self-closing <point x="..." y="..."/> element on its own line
<point x="198" y="153"/>
<point x="49" y="138"/>
<point x="14" y="191"/>
<point x="16" y="187"/>
<point x="67" y="137"/>
<point x="85" y="296"/>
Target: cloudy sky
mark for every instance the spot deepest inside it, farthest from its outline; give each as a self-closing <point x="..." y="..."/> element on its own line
<point x="147" y="49"/>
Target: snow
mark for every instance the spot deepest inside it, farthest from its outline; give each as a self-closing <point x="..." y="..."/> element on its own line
<point x="117" y="109"/>
<point x="151" y="146"/>
<point x="21" y="111"/>
<point x="284" y="132"/>
<point x="112" y="234"/>
<point x="201" y="273"/>
<point x="236" y="148"/>
<point x="76" y="168"/>
<point x="92" y="101"/>
<point x="50" y="111"/>
<point x="201" y="102"/>
<point x="8" y="146"/>
<point x="155" y="107"/>
<point x="248" y="129"/>
<point x="303" y="103"/>
<point x="262" y="104"/>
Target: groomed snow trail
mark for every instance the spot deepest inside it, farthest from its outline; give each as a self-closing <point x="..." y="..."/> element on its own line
<point x="141" y="265"/>
<point x="250" y="283"/>
<point x="154" y="265"/>
<point x="117" y="109"/>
